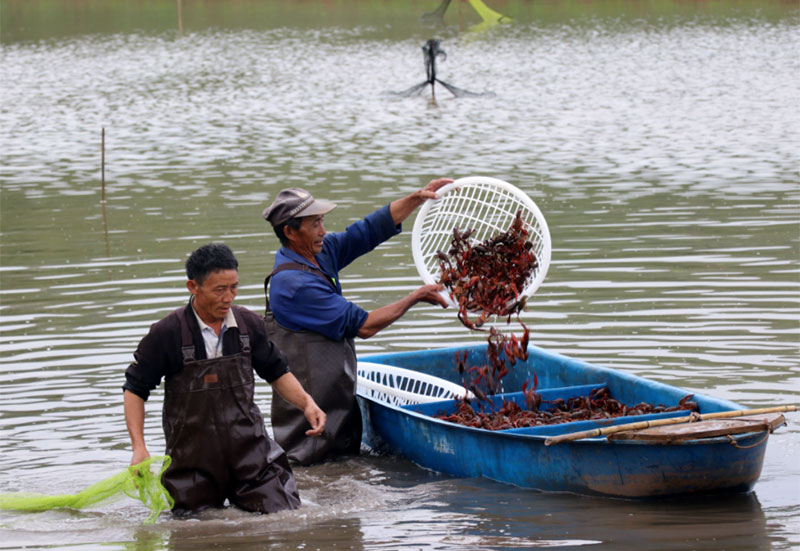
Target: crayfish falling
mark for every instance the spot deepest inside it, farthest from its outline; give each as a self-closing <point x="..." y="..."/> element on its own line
<point x="487" y="279"/>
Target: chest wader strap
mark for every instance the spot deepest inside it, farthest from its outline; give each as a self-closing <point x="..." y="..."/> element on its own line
<point x="187" y="342"/>
<point x="244" y="338"/>
<point x="295" y="266"/>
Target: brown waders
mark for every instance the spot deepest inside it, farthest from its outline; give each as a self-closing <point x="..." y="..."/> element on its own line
<point x="216" y="437"/>
<point x="327" y="371"/>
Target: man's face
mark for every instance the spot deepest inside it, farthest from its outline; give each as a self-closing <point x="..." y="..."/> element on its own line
<point x="214" y="297"/>
<point x="307" y="240"/>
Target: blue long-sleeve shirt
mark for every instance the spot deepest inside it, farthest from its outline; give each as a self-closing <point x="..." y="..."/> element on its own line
<point x="303" y="301"/>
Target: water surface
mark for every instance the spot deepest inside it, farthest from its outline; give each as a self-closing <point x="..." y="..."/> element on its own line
<point x="662" y="144"/>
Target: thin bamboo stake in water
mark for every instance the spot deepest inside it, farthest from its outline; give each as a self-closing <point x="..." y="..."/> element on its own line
<point x="103" y="165"/>
<point x="661" y="422"/>
<point x="103" y="190"/>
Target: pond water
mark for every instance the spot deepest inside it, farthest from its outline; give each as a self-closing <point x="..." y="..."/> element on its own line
<point x="661" y="141"/>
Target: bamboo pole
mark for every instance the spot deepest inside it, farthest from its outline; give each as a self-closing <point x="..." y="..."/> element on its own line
<point x="103" y="165"/>
<point x="661" y="422"/>
<point x="103" y="188"/>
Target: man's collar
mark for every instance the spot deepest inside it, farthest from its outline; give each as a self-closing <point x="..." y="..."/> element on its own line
<point x="229" y="321"/>
<point x="293" y="256"/>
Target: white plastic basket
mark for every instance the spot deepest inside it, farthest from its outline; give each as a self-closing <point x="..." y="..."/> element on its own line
<point x="486" y="205"/>
<point x="400" y="387"/>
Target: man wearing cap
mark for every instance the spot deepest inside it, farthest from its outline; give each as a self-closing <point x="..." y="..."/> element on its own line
<point x="315" y="326"/>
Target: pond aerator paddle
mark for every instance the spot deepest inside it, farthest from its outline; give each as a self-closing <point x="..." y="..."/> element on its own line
<point x="136" y="481"/>
<point x="430" y="51"/>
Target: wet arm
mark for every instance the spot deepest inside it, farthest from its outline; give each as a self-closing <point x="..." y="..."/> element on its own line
<point x="386" y="315"/>
<point x="292" y="391"/>
<point x="134" y="419"/>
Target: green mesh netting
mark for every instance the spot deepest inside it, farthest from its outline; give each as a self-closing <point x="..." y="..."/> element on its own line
<point x="137" y="481"/>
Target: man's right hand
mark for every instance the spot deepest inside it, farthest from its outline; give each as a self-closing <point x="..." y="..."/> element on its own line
<point x="316" y="418"/>
<point x="139" y="456"/>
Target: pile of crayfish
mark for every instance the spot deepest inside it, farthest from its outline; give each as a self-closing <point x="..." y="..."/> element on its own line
<point x="487" y="279"/>
<point x="597" y="405"/>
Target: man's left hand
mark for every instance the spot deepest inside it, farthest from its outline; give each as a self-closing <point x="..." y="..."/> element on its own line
<point x="429" y="191"/>
<point x="402" y="208"/>
<point x="316" y="418"/>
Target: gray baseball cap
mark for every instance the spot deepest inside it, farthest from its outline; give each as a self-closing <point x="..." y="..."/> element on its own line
<point x="294" y="202"/>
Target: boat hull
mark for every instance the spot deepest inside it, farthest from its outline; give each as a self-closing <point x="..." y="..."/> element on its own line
<point x="594" y="466"/>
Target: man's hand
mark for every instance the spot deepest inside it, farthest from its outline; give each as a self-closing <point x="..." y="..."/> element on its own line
<point x="292" y="391"/>
<point x="429" y="191"/>
<point x="402" y="208"/>
<point x="432" y="294"/>
<point x="316" y="418"/>
<point x="139" y="456"/>
<point x="387" y="315"/>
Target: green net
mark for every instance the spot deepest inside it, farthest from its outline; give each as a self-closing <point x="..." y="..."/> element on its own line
<point x="136" y="481"/>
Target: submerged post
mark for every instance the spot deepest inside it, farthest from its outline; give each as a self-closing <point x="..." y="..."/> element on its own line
<point x="180" y="18"/>
<point x="103" y="188"/>
<point x="103" y="165"/>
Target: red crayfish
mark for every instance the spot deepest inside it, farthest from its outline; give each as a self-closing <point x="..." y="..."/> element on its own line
<point x="487" y="279"/>
<point x="597" y="405"/>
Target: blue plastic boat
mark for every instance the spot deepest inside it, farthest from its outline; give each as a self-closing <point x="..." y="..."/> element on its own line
<point x="712" y="457"/>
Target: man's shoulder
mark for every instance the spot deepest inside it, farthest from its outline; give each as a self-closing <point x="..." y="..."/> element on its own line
<point x="162" y="339"/>
<point x="170" y="322"/>
<point x="291" y="280"/>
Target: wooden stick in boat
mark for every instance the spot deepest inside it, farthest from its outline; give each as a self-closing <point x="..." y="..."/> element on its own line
<point x="660" y="422"/>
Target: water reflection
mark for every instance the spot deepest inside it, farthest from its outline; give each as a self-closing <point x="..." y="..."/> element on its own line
<point x="546" y="520"/>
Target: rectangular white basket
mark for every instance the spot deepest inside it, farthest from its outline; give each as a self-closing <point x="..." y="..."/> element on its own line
<point x="399" y="386"/>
